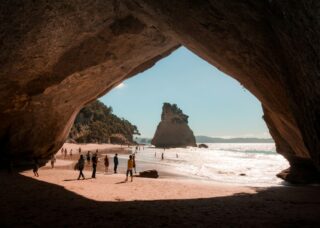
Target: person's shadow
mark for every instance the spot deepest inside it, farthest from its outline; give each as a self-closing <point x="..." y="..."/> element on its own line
<point x="77" y="179"/>
<point x="122" y="182"/>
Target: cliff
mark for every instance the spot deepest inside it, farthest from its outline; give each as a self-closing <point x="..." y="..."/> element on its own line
<point x="96" y="123"/>
<point x="173" y="130"/>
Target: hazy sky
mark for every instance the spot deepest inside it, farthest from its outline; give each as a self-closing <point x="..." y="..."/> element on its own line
<point x="216" y="104"/>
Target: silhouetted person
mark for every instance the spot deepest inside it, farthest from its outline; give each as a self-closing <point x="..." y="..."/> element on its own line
<point x="79" y="150"/>
<point x="65" y="153"/>
<point x="70" y="153"/>
<point x="106" y="163"/>
<point x="52" y="161"/>
<point x="94" y="160"/>
<point x="129" y="168"/>
<point x="81" y="167"/>
<point x="35" y="167"/>
<point x="134" y="163"/>
<point x="62" y="151"/>
<point x="116" y="163"/>
<point x="162" y="156"/>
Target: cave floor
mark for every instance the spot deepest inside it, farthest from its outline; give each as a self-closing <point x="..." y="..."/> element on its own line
<point x="27" y="201"/>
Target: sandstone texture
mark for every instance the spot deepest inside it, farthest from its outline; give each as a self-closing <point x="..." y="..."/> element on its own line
<point x="173" y="129"/>
<point x="56" y="56"/>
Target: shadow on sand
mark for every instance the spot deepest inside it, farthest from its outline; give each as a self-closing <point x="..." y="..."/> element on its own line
<point x="76" y="179"/>
<point x="25" y="202"/>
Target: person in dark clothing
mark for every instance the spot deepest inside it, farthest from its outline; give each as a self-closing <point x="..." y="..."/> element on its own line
<point x="94" y="160"/>
<point x="81" y="167"/>
<point x="35" y="168"/>
<point x="116" y="163"/>
<point x="134" y="163"/>
<point x="106" y="163"/>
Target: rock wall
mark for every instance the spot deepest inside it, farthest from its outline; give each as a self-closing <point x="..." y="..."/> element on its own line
<point x="173" y="129"/>
<point x="57" y="56"/>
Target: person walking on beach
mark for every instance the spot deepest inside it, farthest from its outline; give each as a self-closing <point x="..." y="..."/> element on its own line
<point x="129" y="168"/>
<point x="79" y="150"/>
<point x="94" y="160"/>
<point x="81" y="167"/>
<point x="134" y="163"/>
<point x="62" y="150"/>
<point x="106" y="163"/>
<point x="70" y="153"/>
<point x="162" y="156"/>
<point x="35" y="168"/>
<point x="65" y="153"/>
<point x="52" y="161"/>
<point x="116" y="163"/>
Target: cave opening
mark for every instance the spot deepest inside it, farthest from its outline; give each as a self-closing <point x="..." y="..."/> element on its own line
<point x="220" y="110"/>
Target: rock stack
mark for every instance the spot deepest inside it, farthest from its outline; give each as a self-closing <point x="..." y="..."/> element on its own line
<point x="173" y="130"/>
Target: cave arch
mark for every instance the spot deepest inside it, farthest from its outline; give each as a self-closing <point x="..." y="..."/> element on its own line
<point x="53" y="51"/>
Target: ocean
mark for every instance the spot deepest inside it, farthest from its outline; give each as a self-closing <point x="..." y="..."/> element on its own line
<point x="251" y="164"/>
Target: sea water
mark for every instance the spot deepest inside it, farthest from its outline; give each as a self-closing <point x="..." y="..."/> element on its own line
<point x="253" y="164"/>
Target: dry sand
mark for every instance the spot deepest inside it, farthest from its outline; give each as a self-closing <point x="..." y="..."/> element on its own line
<point x="57" y="199"/>
<point x="111" y="187"/>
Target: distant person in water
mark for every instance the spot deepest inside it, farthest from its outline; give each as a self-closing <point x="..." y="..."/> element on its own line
<point x="115" y="163"/>
<point x="94" y="160"/>
<point x="52" y="161"/>
<point x="106" y="163"/>
<point x="35" y="167"/>
<point x="129" y="168"/>
<point x="81" y="167"/>
<point x="88" y="156"/>
<point x="134" y="163"/>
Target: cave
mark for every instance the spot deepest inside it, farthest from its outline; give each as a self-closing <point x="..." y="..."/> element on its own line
<point x="58" y="56"/>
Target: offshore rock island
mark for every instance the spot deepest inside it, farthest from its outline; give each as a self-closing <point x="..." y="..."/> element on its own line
<point x="173" y="129"/>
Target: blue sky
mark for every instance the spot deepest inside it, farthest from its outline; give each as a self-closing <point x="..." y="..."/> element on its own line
<point x="217" y="105"/>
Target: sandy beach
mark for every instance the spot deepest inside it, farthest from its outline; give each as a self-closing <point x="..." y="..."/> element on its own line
<point x="57" y="199"/>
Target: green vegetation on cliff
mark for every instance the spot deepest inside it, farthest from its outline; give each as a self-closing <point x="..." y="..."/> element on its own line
<point x="96" y="123"/>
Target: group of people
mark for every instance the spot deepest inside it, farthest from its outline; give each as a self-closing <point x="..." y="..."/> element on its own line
<point x="131" y="165"/>
<point x="81" y="162"/>
<point x="93" y="159"/>
<point x="64" y="152"/>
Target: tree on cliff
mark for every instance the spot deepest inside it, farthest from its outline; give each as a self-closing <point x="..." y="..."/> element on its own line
<point x="96" y="123"/>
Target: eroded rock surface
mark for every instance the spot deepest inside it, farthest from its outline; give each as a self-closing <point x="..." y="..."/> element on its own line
<point x="173" y="129"/>
<point x="57" y="56"/>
